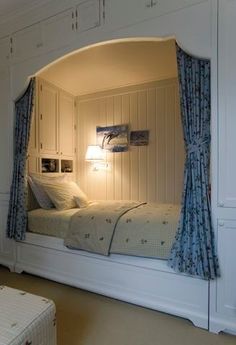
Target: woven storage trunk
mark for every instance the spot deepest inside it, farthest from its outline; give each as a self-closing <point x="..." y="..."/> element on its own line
<point x="26" y="319"/>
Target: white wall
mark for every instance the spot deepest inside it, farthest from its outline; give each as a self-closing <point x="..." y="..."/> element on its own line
<point x="150" y="173"/>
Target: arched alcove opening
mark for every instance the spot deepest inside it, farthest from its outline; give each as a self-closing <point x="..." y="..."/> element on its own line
<point x="131" y="82"/>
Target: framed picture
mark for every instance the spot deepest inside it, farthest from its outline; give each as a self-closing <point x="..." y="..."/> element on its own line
<point x="113" y="138"/>
<point x="139" y="138"/>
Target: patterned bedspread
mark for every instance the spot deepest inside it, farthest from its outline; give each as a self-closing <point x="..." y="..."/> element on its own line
<point x="121" y="227"/>
<point x="147" y="231"/>
<point x="92" y="228"/>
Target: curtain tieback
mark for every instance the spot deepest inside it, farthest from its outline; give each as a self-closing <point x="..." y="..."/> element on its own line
<point x="197" y="145"/>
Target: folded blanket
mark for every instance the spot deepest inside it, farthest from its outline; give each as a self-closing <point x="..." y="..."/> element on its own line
<point x="92" y="228"/>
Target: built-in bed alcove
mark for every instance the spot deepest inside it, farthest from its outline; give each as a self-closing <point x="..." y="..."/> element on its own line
<point x="133" y="83"/>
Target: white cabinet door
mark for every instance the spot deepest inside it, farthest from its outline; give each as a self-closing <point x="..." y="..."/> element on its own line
<point x="26" y="43"/>
<point x="126" y="12"/>
<point x="7" y="246"/>
<point x="6" y="131"/>
<point x="223" y="290"/>
<point x="227" y="103"/>
<point x="226" y="285"/>
<point x="88" y="15"/>
<point x="66" y="124"/>
<point x="4" y="51"/>
<point x="32" y="164"/>
<point x="48" y="118"/>
<point x="59" y="30"/>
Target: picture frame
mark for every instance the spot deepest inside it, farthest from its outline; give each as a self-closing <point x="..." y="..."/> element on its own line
<point x="113" y="138"/>
<point x="139" y="138"/>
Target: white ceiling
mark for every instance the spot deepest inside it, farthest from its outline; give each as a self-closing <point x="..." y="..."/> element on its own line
<point x="113" y="65"/>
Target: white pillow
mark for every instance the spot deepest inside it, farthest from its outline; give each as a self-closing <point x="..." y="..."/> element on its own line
<point x="36" y="182"/>
<point x="81" y="200"/>
<point x="64" y="195"/>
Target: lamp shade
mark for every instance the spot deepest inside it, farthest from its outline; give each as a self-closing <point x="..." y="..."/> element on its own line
<point x="94" y="153"/>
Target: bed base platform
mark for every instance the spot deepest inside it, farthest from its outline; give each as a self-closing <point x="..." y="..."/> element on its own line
<point x="145" y="282"/>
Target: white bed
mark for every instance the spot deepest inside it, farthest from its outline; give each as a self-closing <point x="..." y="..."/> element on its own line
<point x="142" y="281"/>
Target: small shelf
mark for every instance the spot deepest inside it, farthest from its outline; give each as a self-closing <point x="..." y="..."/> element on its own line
<point x="66" y="166"/>
<point x="49" y="165"/>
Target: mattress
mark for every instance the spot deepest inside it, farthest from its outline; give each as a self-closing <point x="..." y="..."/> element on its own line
<point x="26" y="318"/>
<point x="50" y="222"/>
<point x="145" y="230"/>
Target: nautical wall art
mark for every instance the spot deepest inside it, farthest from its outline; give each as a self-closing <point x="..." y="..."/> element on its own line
<point x="139" y="138"/>
<point x="113" y="138"/>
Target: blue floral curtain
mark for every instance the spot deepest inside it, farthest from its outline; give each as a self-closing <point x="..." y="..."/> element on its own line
<point x="17" y="214"/>
<point x="193" y="251"/>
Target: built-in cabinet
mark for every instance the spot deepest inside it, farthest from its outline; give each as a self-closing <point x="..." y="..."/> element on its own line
<point x="88" y="15"/>
<point x="223" y="290"/>
<point x="26" y="43"/>
<point x="226" y="286"/>
<point x="55" y="32"/>
<point x="4" y="51"/>
<point x="48" y="119"/>
<point x="227" y="104"/>
<point x="140" y="10"/>
<point x="58" y="31"/>
<point x="66" y="126"/>
<point x="7" y="246"/>
<point x="53" y="129"/>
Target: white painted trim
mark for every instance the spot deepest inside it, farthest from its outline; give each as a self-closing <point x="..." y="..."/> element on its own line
<point x="146" y="282"/>
<point x="4" y="198"/>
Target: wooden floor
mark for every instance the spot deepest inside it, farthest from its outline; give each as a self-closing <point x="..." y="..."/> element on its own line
<point x="85" y="318"/>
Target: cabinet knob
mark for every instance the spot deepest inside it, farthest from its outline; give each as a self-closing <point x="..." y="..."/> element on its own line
<point x="57" y="152"/>
<point x="220" y="204"/>
<point x="221" y="223"/>
<point x="61" y="153"/>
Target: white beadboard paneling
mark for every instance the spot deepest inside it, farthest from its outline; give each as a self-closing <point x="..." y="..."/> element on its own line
<point x="160" y="143"/>
<point x="134" y="155"/>
<point x="150" y="173"/>
<point x="151" y="153"/>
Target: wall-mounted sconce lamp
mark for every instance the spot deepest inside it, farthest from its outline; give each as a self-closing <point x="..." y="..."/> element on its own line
<point x="95" y="155"/>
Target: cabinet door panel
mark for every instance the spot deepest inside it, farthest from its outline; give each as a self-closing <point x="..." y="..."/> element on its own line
<point x="226" y="285"/>
<point x="6" y="130"/>
<point x="48" y="113"/>
<point x="227" y="104"/>
<point x="4" y="51"/>
<point x="66" y="124"/>
<point x="88" y="13"/>
<point x="32" y="164"/>
<point x="127" y="12"/>
<point x="59" y="30"/>
<point x="7" y="246"/>
<point x="27" y="43"/>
